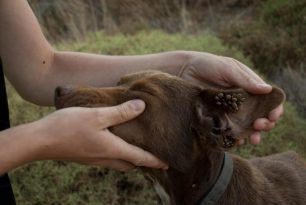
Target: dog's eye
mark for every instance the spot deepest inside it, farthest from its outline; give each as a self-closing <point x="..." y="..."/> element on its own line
<point x="143" y="89"/>
<point x="148" y="91"/>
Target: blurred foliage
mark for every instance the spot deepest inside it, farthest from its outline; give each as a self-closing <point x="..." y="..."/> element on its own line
<point x="275" y="39"/>
<point x="52" y="183"/>
<point x="73" y="19"/>
<point x="294" y="84"/>
<point x="275" y="42"/>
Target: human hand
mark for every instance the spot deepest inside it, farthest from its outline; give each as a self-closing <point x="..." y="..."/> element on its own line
<point x="205" y="68"/>
<point x="81" y="135"/>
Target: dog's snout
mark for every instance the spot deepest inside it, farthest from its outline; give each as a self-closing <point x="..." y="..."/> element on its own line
<point x="62" y="90"/>
<point x="60" y="93"/>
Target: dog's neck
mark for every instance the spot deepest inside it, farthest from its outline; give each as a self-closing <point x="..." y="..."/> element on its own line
<point x="177" y="188"/>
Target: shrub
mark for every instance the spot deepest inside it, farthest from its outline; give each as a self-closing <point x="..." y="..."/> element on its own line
<point x="275" y="39"/>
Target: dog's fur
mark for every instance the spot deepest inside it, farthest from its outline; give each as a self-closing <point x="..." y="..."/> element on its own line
<point x="187" y="127"/>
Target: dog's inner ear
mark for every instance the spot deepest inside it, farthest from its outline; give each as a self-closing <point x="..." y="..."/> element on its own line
<point x="225" y="116"/>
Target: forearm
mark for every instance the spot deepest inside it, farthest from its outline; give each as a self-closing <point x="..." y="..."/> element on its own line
<point x="35" y="69"/>
<point x="89" y="69"/>
<point x="102" y="70"/>
<point x="18" y="146"/>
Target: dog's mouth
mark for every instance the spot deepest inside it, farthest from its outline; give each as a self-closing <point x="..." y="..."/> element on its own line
<point x="62" y="96"/>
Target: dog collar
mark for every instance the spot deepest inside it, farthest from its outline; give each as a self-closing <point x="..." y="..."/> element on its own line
<point x="216" y="191"/>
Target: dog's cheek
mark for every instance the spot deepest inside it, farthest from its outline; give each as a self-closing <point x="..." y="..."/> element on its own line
<point x="130" y="132"/>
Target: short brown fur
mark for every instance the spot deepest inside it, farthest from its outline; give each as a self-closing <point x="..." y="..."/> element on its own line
<point x="190" y="128"/>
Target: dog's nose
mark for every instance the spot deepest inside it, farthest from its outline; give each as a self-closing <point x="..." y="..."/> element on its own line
<point x="62" y="90"/>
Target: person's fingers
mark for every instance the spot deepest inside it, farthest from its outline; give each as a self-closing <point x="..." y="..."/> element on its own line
<point x="110" y="116"/>
<point x="276" y="113"/>
<point x="133" y="154"/>
<point x="249" y="71"/>
<point x="247" y="83"/>
<point x="243" y="80"/>
<point x="242" y="77"/>
<point x="269" y="127"/>
<point x="118" y="165"/>
<point x="263" y="124"/>
<point x="255" y="138"/>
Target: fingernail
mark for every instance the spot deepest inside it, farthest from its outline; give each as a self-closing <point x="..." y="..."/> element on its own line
<point x="137" y="105"/>
<point x="264" y="86"/>
<point x="266" y="125"/>
<point x="165" y="167"/>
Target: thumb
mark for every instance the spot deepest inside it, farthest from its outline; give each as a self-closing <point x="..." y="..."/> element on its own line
<point x="250" y="84"/>
<point x="255" y="87"/>
<point x="242" y="76"/>
<point x="121" y="113"/>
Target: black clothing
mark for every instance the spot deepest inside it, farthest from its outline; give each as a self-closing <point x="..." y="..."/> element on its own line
<point x="6" y="192"/>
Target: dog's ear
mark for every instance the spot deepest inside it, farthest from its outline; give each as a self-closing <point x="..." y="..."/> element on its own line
<point x="225" y="116"/>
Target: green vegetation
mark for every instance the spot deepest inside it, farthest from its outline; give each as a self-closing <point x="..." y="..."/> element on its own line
<point x="145" y="42"/>
<point x="51" y="183"/>
<point x="275" y="39"/>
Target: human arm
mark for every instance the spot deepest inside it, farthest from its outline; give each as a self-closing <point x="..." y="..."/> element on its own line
<point x="59" y="136"/>
<point x="35" y="68"/>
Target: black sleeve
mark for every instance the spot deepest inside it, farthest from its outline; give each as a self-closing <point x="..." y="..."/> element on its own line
<point x="6" y="192"/>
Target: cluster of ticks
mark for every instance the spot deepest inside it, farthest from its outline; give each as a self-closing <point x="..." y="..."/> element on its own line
<point x="231" y="101"/>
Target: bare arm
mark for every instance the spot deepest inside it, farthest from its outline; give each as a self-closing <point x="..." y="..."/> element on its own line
<point x="40" y="141"/>
<point x="15" y="149"/>
<point x="35" y="68"/>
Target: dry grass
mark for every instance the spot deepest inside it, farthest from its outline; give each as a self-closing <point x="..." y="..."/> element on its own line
<point x="73" y="19"/>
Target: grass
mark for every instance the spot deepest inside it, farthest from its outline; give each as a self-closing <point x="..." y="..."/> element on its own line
<point x="145" y="42"/>
<point x="53" y="183"/>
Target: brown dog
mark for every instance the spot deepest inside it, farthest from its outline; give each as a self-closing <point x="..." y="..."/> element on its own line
<point x="190" y="128"/>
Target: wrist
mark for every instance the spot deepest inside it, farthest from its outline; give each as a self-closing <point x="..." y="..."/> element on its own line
<point x="172" y="62"/>
<point x="188" y="59"/>
<point x="18" y="146"/>
<point x="185" y="60"/>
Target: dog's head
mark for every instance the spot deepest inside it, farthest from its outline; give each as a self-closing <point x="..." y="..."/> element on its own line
<point x="181" y="120"/>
